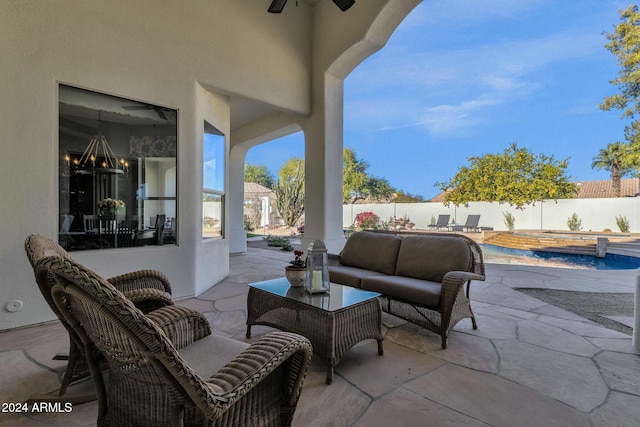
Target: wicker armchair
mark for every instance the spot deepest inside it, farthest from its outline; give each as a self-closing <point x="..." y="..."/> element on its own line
<point x="147" y="289"/>
<point x="165" y="368"/>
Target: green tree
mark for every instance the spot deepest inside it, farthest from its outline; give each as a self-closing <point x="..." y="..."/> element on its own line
<point x="614" y="159"/>
<point x="292" y="167"/>
<point x="290" y="191"/>
<point x="260" y="175"/>
<point x="402" y="197"/>
<point x="358" y="184"/>
<point x="515" y="176"/>
<point x="624" y="43"/>
<point x="355" y="178"/>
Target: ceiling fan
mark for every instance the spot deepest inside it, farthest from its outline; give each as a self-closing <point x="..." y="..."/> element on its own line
<point x="161" y="111"/>
<point x="278" y="5"/>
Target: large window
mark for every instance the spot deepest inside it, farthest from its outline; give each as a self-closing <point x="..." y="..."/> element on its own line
<point x="213" y="183"/>
<point x="117" y="179"/>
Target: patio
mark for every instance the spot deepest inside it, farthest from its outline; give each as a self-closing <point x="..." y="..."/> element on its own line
<point x="528" y="364"/>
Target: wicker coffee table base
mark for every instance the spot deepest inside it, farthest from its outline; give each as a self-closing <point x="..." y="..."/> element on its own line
<point x="331" y="333"/>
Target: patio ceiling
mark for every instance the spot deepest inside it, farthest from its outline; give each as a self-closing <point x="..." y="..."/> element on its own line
<point x="245" y="110"/>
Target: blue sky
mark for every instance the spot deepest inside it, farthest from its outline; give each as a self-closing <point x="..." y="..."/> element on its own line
<point x="465" y="78"/>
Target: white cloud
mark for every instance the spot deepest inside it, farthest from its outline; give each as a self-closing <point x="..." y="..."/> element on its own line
<point x="448" y="119"/>
<point x="455" y="87"/>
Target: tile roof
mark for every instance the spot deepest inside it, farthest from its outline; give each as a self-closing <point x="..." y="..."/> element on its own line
<point x="253" y="188"/>
<point x="604" y="189"/>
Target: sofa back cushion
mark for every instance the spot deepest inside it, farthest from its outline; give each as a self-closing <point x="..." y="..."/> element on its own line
<point x="371" y="251"/>
<point x="431" y="257"/>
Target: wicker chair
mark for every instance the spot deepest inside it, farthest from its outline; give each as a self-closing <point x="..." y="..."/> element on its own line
<point x="165" y="368"/>
<point x="147" y="289"/>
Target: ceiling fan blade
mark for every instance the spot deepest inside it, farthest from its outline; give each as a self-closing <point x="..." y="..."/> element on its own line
<point x="277" y="6"/>
<point x="344" y="5"/>
<point x="162" y="114"/>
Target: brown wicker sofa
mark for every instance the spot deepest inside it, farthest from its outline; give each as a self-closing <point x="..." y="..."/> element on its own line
<point x="421" y="276"/>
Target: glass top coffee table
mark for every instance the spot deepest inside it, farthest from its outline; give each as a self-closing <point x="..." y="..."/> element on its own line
<point x="333" y="322"/>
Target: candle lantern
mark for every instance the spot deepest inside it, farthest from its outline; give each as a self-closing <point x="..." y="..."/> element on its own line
<point x="317" y="268"/>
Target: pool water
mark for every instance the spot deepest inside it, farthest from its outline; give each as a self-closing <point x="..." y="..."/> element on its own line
<point x="500" y="255"/>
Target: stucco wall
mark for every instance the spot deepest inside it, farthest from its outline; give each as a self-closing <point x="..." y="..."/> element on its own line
<point x="595" y="214"/>
<point x="189" y="56"/>
<point x="140" y="51"/>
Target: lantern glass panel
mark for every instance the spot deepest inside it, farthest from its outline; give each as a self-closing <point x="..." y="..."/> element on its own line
<point x="318" y="268"/>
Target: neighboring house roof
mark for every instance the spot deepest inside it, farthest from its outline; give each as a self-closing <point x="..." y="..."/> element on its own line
<point x="591" y="189"/>
<point x="603" y="189"/>
<point x="256" y="189"/>
<point x="439" y="197"/>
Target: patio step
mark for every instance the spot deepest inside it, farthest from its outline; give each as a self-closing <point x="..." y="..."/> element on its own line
<point x="561" y="244"/>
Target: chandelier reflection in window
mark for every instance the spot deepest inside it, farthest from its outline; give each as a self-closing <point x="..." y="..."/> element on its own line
<point x="98" y="158"/>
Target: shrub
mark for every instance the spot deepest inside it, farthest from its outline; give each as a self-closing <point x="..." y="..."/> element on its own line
<point x="623" y="223"/>
<point x="367" y="220"/>
<point x="509" y="220"/>
<point x="574" y="222"/>
<point x="276" y="241"/>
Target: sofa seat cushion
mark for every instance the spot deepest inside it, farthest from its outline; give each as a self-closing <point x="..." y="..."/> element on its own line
<point x="371" y="251"/>
<point x="421" y="292"/>
<point x="431" y="257"/>
<point x="208" y="355"/>
<point x="349" y="276"/>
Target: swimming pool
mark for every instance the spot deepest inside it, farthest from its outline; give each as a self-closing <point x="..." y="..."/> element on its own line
<point x="500" y="255"/>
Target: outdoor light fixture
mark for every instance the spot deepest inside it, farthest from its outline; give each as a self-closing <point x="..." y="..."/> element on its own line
<point x="317" y="268"/>
<point x="278" y="5"/>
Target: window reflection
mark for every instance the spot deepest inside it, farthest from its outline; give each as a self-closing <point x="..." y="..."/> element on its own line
<point x="117" y="180"/>
<point x="213" y="169"/>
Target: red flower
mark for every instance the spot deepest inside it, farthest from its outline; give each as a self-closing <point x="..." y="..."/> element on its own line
<point x="298" y="261"/>
<point x="367" y="220"/>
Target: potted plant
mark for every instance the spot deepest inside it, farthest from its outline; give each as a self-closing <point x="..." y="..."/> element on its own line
<point x="110" y="206"/>
<point x="296" y="273"/>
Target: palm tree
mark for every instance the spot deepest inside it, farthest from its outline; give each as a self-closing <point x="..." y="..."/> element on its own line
<point x="614" y="159"/>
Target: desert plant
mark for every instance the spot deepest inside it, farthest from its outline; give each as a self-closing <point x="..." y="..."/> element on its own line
<point x="290" y="195"/>
<point x="623" y="223"/>
<point x="509" y="220"/>
<point x="574" y="222"/>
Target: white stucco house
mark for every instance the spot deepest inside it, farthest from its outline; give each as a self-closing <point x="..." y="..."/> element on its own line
<point x="260" y="205"/>
<point x="157" y="79"/>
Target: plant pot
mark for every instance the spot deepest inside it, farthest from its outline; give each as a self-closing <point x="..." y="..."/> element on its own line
<point x="296" y="276"/>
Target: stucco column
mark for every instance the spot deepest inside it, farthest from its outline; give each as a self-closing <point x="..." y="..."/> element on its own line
<point x="235" y="200"/>
<point x="323" y="165"/>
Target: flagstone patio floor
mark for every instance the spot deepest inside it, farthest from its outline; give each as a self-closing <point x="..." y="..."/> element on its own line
<point x="528" y="363"/>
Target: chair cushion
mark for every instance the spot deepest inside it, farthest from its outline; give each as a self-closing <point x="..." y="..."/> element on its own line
<point x="208" y="355"/>
<point x="418" y="291"/>
<point x="371" y="251"/>
<point x="349" y="276"/>
<point x="431" y="257"/>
